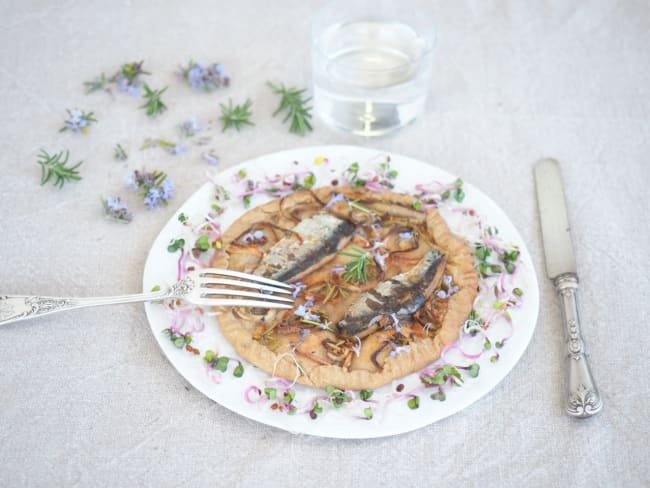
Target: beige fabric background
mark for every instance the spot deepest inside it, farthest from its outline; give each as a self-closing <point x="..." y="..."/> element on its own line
<point x="87" y="398"/>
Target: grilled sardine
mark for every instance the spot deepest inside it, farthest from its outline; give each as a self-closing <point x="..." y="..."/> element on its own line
<point x="403" y="293"/>
<point x="321" y="236"/>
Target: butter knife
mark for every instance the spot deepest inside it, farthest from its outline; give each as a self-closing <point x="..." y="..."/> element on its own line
<point x="583" y="398"/>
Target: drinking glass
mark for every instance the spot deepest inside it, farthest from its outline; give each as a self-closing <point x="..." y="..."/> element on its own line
<point x="371" y="63"/>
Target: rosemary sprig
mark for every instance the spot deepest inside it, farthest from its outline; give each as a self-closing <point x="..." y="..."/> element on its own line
<point x="120" y="153"/>
<point x="154" y="104"/>
<point x="357" y="268"/>
<point x="296" y="108"/>
<point x="99" y="83"/>
<point x="236" y="116"/>
<point x="54" y="166"/>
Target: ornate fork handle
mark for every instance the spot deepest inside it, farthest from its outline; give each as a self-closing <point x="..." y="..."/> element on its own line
<point x="16" y="307"/>
<point x="583" y="400"/>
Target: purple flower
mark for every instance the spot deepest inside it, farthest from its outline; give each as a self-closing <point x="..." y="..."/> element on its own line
<point x="116" y="210"/>
<point x="78" y="121"/>
<point x="442" y="294"/>
<point x="338" y="197"/>
<point x="177" y="149"/>
<point x="190" y="127"/>
<point x="156" y="187"/>
<point x="407" y="236"/>
<point x="211" y="158"/>
<point x="202" y="77"/>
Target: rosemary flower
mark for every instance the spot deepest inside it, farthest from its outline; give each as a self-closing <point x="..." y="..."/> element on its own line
<point x="78" y="121"/>
<point x="114" y="209"/>
<point x="205" y="77"/>
<point x="155" y="187"/>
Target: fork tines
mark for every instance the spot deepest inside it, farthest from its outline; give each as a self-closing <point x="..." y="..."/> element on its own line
<point x="230" y="294"/>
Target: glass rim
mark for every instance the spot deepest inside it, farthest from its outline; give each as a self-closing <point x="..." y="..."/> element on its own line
<point x="430" y="40"/>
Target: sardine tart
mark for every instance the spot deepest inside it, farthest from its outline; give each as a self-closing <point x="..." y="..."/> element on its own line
<point x="382" y="288"/>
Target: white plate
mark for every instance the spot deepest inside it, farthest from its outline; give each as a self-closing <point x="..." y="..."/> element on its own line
<point x="390" y="415"/>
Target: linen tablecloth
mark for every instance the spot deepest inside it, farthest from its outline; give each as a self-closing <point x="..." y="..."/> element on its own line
<point x="88" y="399"/>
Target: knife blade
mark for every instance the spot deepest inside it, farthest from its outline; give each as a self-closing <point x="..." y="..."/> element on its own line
<point x="583" y="399"/>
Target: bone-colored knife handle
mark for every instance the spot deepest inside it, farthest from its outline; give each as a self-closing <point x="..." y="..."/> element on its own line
<point x="583" y="398"/>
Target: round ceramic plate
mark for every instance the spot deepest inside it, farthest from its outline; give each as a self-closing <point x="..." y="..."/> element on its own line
<point x="492" y="352"/>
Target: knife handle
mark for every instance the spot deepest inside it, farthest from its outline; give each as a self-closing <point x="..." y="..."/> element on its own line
<point x="583" y="398"/>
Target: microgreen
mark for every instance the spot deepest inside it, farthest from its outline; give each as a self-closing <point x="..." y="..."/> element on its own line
<point x="78" y="121"/>
<point x="182" y="218"/>
<point x="179" y="340"/>
<point x="439" y="395"/>
<point x="296" y="106"/>
<point x="220" y="363"/>
<point x="202" y="243"/>
<point x="417" y="205"/>
<point x="414" y="402"/>
<point x="114" y="209"/>
<point x="352" y="175"/>
<point x="204" y="77"/>
<point x="153" y="105"/>
<point x="440" y="376"/>
<point x="367" y="412"/>
<point x="175" y="245"/>
<point x="236" y="115"/>
<point x="54" y="166"/>
<point x="365" y="394"/>
<point x="337" y="397"/>
<point x="357" y="268"/>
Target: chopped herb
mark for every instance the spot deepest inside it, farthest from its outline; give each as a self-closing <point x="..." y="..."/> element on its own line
<point x="153" y="105"/>
<point x="357" y="206"/>
<point x="236" y="116"/>
<point x="54" y="166"/>
<point x="295" y="105"/>
<point x="357" y="268"/>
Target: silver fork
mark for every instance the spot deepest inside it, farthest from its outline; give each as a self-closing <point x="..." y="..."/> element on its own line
<point x="197" y="287"/>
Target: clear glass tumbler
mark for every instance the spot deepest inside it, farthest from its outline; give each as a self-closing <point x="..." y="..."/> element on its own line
<point x="371" y="63"/>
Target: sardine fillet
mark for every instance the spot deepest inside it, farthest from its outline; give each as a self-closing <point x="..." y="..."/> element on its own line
<point x="289" y="258"/>
<point x="404" y="294"/>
